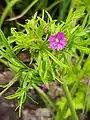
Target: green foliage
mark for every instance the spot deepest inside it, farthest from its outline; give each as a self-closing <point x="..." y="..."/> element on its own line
<point x="47" y="64"/>
<point x="19" y="10"/>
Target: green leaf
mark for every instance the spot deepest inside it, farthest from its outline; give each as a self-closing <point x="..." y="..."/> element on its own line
<point x="11" y="82"/>
<point x="13" y="96"/>
<point x="74" y="29"/>
<point x="84" y="49"/>
<point x="40" y="66"/>
<point x="84" y="22"/>
<point x="56" y="60"/>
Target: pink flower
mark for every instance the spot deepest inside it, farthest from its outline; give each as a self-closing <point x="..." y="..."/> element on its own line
<point x="57" y="41"/>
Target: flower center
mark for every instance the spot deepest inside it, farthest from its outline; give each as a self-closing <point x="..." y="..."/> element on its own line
<point x="56" y="40"/>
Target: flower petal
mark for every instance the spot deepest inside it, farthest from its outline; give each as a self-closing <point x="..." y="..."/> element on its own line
<point x="53" y="45"/>
<point x="60" y="47"/>
<point x="63" y="41"/>
<point x="51" y="38"/>
<point x="60" y="35"/>
<point x="57" y="41"/>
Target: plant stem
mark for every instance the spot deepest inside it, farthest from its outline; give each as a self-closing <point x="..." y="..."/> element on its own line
<point x="53" y="5"/>
<point x="73" y="91"/>
<point x="72" y="4"/>
<point x="81" y="75"/>
<point x="4" y="61"/>
<point x="11" y="4"/>
<point x="12" y="14"/>
<point x="44" y="95"/>
<point x="69" y="100"/>
<point x="24" y="11"/>
<point x="76" y="85"/>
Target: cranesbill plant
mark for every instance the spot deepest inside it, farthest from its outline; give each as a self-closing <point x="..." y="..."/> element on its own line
<point x="57" y="52"/>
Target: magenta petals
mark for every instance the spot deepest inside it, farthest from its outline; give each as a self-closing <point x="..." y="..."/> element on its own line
<point x="51" y="38"/>
<point x="57" y="41"/>
<point x="44" y="88"/>
<point x="60" y="35"/>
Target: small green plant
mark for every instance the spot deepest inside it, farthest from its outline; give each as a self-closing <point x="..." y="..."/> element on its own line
<point x="52" y="57"/>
